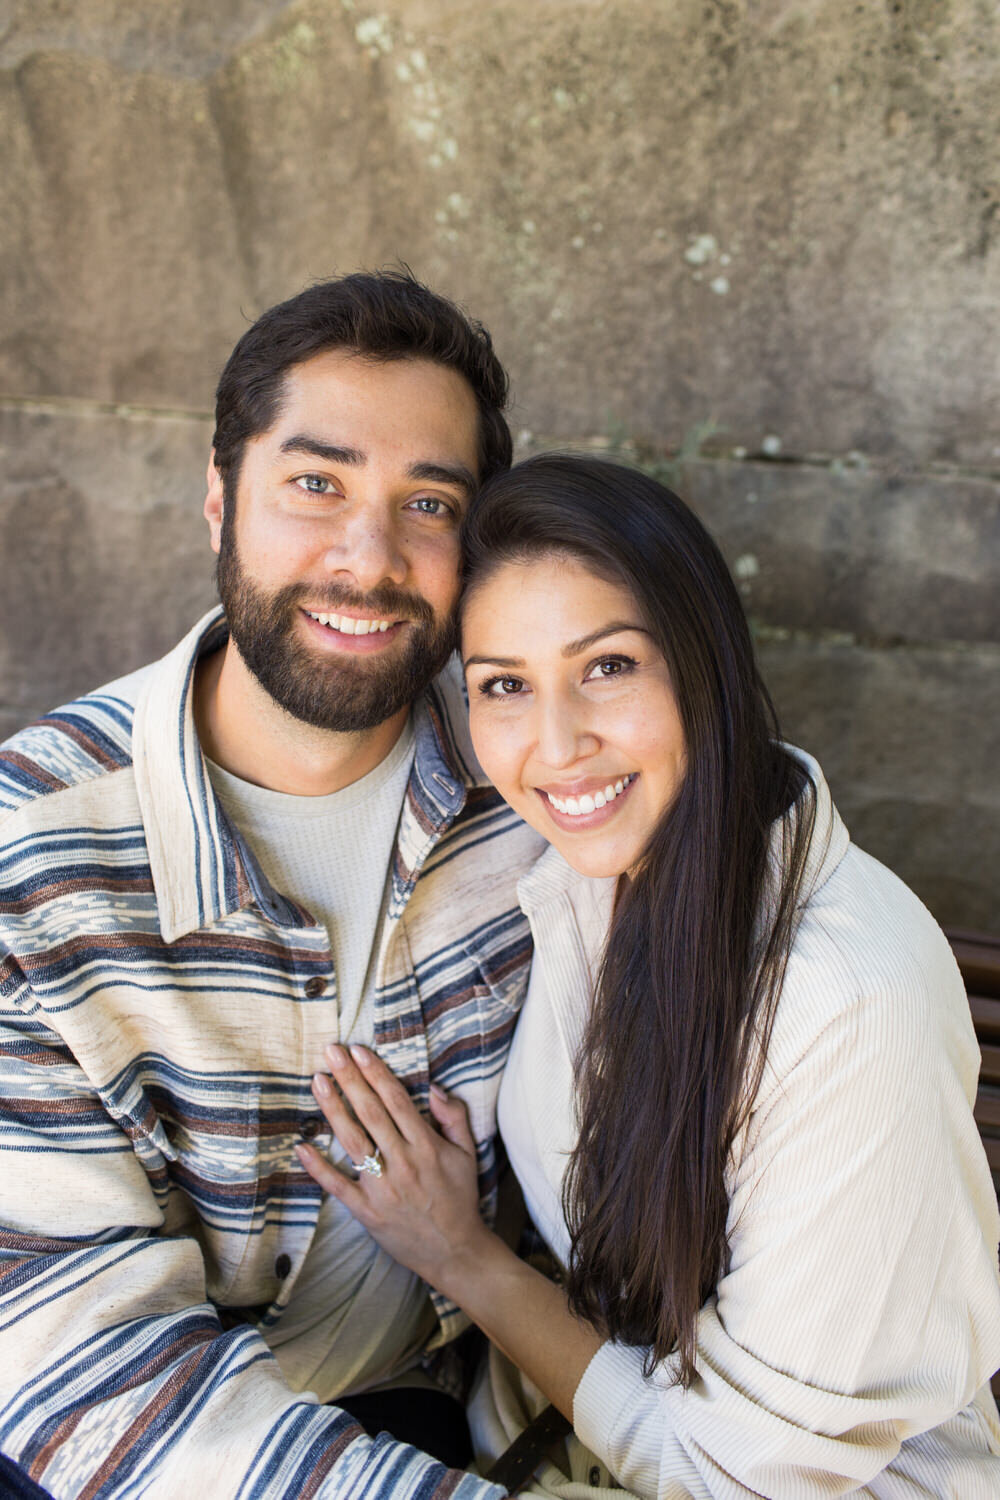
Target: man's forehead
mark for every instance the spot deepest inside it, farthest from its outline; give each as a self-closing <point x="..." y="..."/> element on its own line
<point x="401" y="397"/>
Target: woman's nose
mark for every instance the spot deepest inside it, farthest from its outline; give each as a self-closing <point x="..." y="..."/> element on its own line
<point x="564" y="735"/>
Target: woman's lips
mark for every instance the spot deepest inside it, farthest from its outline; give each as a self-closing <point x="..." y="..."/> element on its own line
<point x="587" y="809"/>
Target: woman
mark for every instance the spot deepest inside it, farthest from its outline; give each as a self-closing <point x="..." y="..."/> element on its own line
<point x="738" y="1098"/>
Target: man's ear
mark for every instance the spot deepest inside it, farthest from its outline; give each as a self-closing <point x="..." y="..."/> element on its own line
<point x="214" y="502"/>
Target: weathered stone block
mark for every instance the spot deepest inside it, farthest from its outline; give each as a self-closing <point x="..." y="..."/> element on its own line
<point x="907" y="740"/>
<point x="106" y="554"/>
<point x="782" y="216"/>
<point x="899" y="557"/>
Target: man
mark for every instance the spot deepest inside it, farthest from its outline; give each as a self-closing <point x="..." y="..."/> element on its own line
<point x="274" y="839"/>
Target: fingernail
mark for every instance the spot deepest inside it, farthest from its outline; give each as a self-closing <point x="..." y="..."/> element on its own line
<point x="337" y="1056"/>
<point x="361" y="1055"/>
<point x="302" y="1152"/>
<point x="438" y="1091"/>
<point x="321" y="1084"/>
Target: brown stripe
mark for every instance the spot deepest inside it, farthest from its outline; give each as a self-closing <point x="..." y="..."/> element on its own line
<point x="327" y="1460"/>
<point x="112" y="942"/>
<point x="76" y="734"/>
<point x="55" y="889"/>
<point x="148" y="1372"/>
<point x="33" y="769"/>
<point x="38" y="1056"/>
<point x="148" y="1416"/>
<point x="448" y="1485"/>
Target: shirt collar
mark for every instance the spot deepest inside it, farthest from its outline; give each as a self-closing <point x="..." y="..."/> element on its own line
<point x="201" y="869"/>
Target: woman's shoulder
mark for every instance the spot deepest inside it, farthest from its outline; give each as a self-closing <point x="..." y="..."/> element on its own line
<point x="867" y="931"/>
<point x="866" y="952"/>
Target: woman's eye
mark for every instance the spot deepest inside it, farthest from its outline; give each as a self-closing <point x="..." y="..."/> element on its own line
<point x="610" y="666"/>
<point x="501" y="687"/>
<point x="315" y="484"/>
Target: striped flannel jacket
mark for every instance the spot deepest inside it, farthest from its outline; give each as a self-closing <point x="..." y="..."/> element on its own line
<point x="162" y="1010"/>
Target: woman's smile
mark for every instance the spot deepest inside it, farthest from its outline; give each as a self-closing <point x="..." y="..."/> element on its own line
<point x="572" y="710"/>
<point x="587" y="805"/>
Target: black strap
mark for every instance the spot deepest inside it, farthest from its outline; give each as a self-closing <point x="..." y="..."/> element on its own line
<point x="515" y="1467"/>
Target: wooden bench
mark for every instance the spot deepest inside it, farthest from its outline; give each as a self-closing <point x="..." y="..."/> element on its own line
<point x="979" y="961"/>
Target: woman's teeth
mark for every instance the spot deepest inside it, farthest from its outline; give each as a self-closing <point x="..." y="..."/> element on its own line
<point x="576" y="807"/>
<point x="348" y="626"/>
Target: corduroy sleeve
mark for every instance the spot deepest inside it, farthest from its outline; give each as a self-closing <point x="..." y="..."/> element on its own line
<point x="116" y="1378"/>
<point x="860" y="1310"/>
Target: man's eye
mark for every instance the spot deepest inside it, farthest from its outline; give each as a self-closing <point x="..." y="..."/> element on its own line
<point x="314" y="484"/>
<point x="431" y="505"/>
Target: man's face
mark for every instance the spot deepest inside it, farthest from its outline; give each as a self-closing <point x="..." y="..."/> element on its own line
<point x="339" y="569"/>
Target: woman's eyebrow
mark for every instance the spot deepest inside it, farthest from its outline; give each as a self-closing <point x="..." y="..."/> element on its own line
<point x="572" y="648"/>
<point x="493" y="661"/>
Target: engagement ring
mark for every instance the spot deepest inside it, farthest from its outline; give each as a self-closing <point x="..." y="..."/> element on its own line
<point x="371" y="1164"/>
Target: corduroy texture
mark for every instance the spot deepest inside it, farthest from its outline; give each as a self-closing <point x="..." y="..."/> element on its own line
<point x="848" y="1347"/>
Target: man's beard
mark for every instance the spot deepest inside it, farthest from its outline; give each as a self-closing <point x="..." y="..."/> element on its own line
<point x="347" y="694"/>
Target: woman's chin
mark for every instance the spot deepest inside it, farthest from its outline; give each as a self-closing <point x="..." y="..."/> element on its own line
<point x="600" y="859"/>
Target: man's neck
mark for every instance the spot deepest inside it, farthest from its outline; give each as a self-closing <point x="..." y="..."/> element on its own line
<point x="243" y="730"/>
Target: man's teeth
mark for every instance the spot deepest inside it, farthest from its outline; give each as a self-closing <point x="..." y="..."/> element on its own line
<point x="576" y="807"/>
<point x="348" y="626"/>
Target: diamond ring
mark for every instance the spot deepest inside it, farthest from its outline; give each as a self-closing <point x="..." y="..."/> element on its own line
<point x="372" y="1165"/>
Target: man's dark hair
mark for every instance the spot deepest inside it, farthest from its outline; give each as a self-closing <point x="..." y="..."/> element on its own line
<point x="380" y="315"/>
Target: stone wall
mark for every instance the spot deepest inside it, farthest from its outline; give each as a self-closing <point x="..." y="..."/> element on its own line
<point x="753" y="243"/>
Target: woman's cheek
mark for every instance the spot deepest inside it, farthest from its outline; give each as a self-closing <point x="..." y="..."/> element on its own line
<point x="497" y="752"/>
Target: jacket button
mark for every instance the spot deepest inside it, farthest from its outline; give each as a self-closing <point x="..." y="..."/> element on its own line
<point x="314" y="987"/>
<point x="282" y="1266"/>
<point x="311" y="1127"/>
<point x="594" y="1477"/>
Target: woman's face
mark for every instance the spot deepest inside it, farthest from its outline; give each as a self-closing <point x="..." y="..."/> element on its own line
<point x="573" y="714"/>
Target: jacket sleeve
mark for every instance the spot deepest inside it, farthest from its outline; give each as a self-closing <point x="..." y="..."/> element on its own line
<point x="116" y="1378"/>
<point x="861" y="1303"/>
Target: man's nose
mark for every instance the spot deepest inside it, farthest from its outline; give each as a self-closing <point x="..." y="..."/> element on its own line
<point x="366" y="549"/>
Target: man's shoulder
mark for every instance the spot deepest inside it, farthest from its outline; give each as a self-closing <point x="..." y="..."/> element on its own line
<point x="77" y="743"/>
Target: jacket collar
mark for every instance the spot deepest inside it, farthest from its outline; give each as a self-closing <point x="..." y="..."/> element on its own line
<point x="201" y="868"/>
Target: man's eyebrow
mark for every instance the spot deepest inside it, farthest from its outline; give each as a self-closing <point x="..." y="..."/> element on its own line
<point x="456" y="474"/>
<point x="301" y="442"/>
<point x="453" y="474"/>
<point x="572" y="648"/>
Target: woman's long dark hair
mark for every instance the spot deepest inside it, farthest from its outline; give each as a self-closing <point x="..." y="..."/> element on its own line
<point x="685" y="1000"/>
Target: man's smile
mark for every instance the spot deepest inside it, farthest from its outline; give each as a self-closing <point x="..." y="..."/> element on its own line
<point x="348" y="625"/>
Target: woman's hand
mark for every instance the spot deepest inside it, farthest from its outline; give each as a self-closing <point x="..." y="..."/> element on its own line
<point x="424" y="1210"/>
<point x="424" y="1207"/>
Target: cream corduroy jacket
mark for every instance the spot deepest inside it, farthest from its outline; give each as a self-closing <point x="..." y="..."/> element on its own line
<point x="847" y="1349"/>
